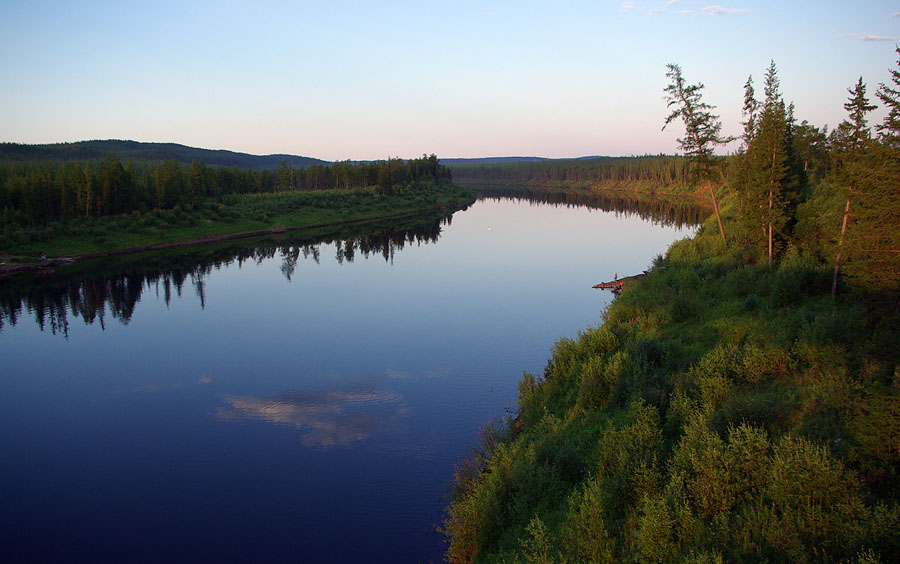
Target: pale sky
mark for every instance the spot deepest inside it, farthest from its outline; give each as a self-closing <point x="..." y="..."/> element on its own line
<point x="368" y="80"/>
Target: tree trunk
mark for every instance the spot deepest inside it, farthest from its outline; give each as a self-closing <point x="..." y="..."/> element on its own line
<point x="712" y="194"/>
<point x="837" y="260"/>
<point x="770" y="229"/>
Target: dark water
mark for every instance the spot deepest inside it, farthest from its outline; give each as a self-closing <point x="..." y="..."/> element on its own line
<point x="287" y="400"/>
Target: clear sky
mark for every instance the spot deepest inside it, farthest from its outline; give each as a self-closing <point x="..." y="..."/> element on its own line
<point x="367" y="80"/>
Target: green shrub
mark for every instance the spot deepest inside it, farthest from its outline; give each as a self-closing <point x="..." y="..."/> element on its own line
<point x="653" y="538"/>
<point x="585" y="532"/>
<point x="597" y="383"/>
<point x="761" y="362"/>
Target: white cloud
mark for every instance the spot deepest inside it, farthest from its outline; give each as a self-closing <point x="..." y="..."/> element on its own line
<point x="655" y="11"/>
<point x="721" y="11"/>
<point x="895" y="15"/>
<point x="627" y="6"/>
<point x="880" y="37"/>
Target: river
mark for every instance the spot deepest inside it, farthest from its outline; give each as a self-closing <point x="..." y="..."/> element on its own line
<point x="288" y="400"/>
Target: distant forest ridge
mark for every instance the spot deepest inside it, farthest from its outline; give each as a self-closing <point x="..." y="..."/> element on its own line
<point x="136" y="151"/>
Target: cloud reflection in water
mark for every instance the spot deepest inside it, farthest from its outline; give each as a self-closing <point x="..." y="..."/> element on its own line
<point x="327" y="418"/>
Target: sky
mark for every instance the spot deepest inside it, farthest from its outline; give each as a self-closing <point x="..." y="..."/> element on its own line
<point x="369" y="80"/>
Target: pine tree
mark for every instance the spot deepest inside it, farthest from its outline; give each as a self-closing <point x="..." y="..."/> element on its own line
<point x="702" y="129"/>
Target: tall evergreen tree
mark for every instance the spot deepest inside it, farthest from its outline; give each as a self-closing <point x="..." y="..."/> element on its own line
<point x="749" y="111"/>
<point x="702" y="129"/>
<point x="889" y="129"/>
<point x="766" y="180"/>
<point x="851" y="147"/>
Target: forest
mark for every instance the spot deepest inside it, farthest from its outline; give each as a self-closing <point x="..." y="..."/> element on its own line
<point x="742" y="402"/>
<point x="45" y="201"/>
<point x="648" y="173"/>
<point x="38" y="192"/>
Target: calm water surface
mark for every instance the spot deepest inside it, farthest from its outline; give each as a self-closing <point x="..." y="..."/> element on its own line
<point x="281" y="408"/>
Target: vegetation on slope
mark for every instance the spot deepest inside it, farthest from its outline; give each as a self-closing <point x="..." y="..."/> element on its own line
<point x="723" y="412"/>
<point x="739" y="404"/>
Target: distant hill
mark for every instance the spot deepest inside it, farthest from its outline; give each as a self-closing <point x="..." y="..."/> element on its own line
<point x="148" y="152"/>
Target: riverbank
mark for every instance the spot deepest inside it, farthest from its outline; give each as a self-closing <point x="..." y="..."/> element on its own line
<point x="242" y="217"/>
<point x="622" y="189"/>
<point x="723" y="412"/>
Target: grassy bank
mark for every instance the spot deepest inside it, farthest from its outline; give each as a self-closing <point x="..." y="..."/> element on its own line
<point x="236" y="214"/>
<point x="722" y="412"/>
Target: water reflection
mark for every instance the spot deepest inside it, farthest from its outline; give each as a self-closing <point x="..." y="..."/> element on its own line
<point x="94" y="290"/>
<point x="326" y="418"/>
<point x="660" y="210"/>
<point x="112" y="287"/>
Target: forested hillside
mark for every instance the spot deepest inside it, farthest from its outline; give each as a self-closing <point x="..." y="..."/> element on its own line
<point x="742" y="402"/>
<point x="138" y="152"/>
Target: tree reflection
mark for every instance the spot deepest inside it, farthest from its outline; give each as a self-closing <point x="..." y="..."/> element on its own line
<point x="660" y="210"/>
<point x="91" y="290"/>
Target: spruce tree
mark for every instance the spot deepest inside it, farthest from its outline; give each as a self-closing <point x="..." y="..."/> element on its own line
<point x="869" y="244"/>
<point x="766" y="178"/>
<point x="851" y="147"/>
<point x="889" y="129"/>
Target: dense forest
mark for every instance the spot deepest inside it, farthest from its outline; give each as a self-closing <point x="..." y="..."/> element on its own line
<point x="742" y="402"/>
<point x="38" y="192"/>
<point x="46" y="200"/>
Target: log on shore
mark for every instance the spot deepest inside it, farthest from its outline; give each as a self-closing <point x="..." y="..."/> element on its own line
<point x="617" y="284"/>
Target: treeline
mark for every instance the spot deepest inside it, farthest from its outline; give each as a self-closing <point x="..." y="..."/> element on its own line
<point x="37" y="193"/>
<point x="834" y="196"/>
<point x="655" y="171"/>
